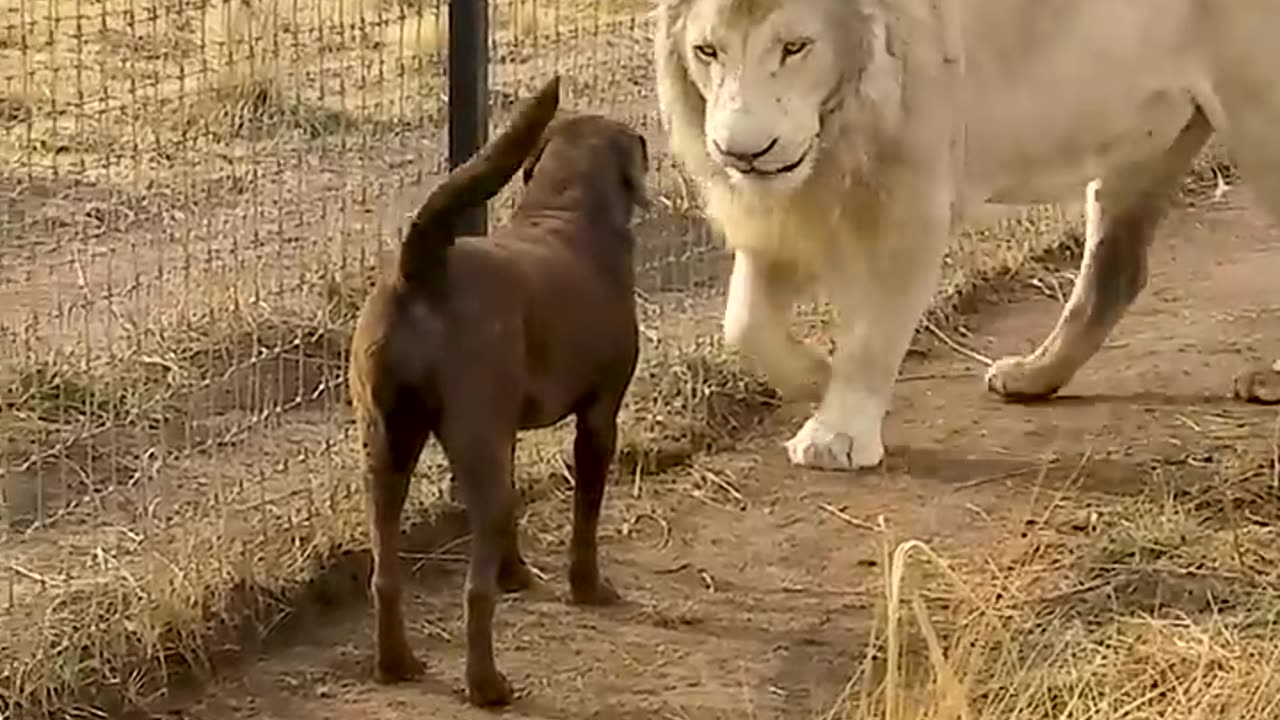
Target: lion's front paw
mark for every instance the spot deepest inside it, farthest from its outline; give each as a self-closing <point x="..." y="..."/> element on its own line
<point x="816" y="446"/>
<point x="1018" y="378"/>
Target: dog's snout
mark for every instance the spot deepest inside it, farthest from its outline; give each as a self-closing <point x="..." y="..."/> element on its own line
<point x="746" y="157"/>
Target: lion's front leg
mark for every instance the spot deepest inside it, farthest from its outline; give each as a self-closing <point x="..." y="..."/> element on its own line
<point x="879" y="292"/>
<point x="762" y="295"/>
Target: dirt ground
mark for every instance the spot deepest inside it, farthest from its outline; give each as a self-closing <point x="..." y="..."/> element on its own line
<point x="751" y="586"/>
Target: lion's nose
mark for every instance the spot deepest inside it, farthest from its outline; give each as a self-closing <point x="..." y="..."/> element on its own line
<point x="745" y="156"/>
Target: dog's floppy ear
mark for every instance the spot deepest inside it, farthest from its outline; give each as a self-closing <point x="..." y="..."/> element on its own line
<point x="634" y="162"/>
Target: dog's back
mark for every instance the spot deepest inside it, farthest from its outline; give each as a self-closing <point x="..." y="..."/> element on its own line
<point x="566" y="260"/>
<point x="555" y="285"/>
<point x="397" y="339"/>
<point x="423" y="253"/>
<point x="562" y="323"/>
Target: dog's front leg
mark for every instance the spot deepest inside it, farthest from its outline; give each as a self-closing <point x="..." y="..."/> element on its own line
<point x="762" y="295"/>
<point x="880" y="285"/>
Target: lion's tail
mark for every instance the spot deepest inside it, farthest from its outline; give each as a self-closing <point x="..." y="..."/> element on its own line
<point x="423" y="253"/>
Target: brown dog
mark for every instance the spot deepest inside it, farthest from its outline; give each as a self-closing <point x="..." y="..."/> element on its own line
<point x="475" y="341"/>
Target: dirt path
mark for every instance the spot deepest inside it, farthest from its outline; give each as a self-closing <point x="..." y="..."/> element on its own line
<point x="750" y="596"/>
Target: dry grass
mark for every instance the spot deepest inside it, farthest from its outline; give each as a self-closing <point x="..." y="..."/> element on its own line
<point x="276" y="503"/>
<point x="159" y="589"/>
<point x="178" y="476"/>
<point x="90" y="88"/>
<point x="1109" y="607"/>
<point x="1164" y="609"/>
<point x="424" y="28"/>
<point x="186" y="490"/>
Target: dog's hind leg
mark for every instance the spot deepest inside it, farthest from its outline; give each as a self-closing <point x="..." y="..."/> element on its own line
<point x="481" y="460"/>
<point x="593" y="450"/>
<point x="392" y="443"/>
<point x="514" y="574"/>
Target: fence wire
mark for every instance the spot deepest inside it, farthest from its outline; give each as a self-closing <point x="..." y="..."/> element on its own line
<point x="195" y="196"/>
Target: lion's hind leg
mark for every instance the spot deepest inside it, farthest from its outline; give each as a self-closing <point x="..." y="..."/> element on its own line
<point x="1241" y="41"/>
<point x="1129" y="205"/>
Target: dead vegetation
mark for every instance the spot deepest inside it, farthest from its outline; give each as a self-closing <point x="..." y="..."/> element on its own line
<point x="1155" y="606"/>
<point x="192" y="488"/>
<point x="165" y="585"/>
<point x="168" y="571"/>
<point x="1155" y="596"/>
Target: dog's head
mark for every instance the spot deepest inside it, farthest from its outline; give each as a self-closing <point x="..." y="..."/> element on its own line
<point x="598" y="150"/>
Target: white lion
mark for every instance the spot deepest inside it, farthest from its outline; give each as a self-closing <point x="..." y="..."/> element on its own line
<point x="841" y="142"/>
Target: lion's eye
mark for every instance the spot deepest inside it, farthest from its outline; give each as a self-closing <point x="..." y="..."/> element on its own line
<point x="794" y="47"/>
<point x="706" y="51"/>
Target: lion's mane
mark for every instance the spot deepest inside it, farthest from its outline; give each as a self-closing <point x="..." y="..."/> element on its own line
<point x="856" y="139"/>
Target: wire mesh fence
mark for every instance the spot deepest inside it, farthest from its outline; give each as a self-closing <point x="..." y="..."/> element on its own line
<point x="195" y="197"/>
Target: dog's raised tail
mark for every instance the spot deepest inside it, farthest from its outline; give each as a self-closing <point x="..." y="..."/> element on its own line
<point x="434" y="227"/>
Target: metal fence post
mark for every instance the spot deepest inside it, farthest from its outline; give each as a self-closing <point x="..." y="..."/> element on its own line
<point x="468" y="92"/>
<point x="468" y="109"/>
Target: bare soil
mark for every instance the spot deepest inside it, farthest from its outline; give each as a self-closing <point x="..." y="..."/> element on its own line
<point x="751" y="586"/>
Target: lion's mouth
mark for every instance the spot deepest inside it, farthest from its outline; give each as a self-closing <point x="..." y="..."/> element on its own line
<point x="764" y="173"/>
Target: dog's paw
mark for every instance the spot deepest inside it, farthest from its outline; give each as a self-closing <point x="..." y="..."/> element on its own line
<point x="599" y="593"/>
<point x="816" y="446"/>
<point x="515" y="577"/>
<point x="1018" y="378"/>
<point x="489" y="689"/>
<point x="1260" y="385"/>
<point x="397" y="667"/>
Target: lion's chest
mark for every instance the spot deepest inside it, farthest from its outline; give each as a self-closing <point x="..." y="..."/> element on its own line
<point x="798" y="228"/>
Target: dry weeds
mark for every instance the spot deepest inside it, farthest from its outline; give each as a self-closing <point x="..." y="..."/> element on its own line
<point x="1164" y="609"/>
<point x="175" y="480"/>
<point x="168" y="572"/>
<point x="180" y="499"/>
<point x="87" y="86"/>
<point x="1164" y="605"/>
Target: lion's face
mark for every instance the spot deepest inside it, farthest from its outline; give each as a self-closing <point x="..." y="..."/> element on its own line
<point x="765" y="68"/>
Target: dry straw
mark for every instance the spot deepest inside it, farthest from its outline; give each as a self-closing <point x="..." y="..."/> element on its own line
<point x="1165" y="609"/>
<point x="139" y="580"/>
